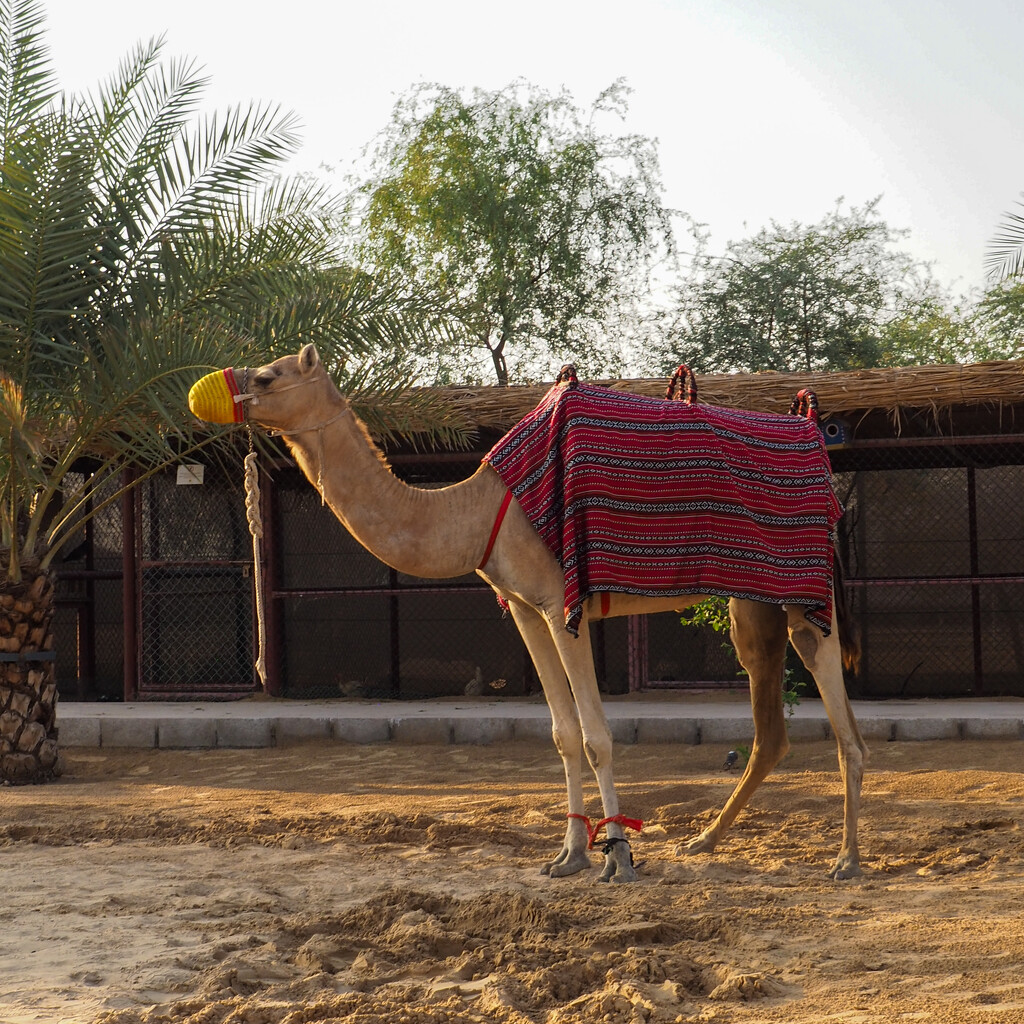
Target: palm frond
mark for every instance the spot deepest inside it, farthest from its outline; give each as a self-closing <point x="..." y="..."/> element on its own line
<point x="1005" y="256"/>
<point x="274" y="242"/>
<point x="225" y="155"/>
<point x="140" y="114"/>
<point x="141" y="109"/>
<point x="27" y="80"/>
<point x="48" y="226"/>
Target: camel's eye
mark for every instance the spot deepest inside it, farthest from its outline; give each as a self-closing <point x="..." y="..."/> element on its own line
<point x="264" y="378"/>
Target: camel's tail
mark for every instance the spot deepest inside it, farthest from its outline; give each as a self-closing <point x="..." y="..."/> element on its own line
<point x="849" y="634"/>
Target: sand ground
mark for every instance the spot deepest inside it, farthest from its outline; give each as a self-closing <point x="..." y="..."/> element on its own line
<point x="400" y="883"/>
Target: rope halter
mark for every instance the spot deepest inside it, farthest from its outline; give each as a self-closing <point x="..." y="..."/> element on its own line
<point x="248" y="396"/>
<point x="217" y="398"/>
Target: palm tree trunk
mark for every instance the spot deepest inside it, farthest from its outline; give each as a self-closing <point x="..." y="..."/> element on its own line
<point x="28" y="688"/>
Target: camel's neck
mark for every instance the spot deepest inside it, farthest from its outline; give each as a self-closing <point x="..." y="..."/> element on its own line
<point x="430" y="533"/>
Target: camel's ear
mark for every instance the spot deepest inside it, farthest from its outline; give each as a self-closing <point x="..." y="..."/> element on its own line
<point x="309" y="358"/>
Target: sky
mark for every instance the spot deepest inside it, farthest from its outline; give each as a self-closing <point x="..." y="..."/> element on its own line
<point x="762" y="109"/>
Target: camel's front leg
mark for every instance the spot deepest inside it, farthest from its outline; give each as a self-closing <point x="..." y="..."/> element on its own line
<point x="578" y="661"/>
<point x="758" y="633"/>
<point x="565" y="730"/>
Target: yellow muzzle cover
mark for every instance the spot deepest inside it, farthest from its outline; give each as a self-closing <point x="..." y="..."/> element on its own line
<point x="212" y="398"/>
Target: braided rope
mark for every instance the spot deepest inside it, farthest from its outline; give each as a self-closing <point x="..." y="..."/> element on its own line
<point x="683" y="386"/>
<point x="805" y="404"/>
<point x="255" y="520"/>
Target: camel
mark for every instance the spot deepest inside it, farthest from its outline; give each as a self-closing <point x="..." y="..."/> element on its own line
<point x="447" y="532"/>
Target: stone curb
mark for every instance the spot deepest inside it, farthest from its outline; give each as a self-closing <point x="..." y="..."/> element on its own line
<point x="236" y="731"/>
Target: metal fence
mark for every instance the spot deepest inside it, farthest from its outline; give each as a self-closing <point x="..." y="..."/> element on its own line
<point x="173" y="619"/>
<point x="932" y="542"/>
<point x="933" y="539"/>
<point x="194" y="587"/>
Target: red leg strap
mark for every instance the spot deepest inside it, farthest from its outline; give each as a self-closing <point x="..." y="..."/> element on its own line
<point x="618" y="819"/>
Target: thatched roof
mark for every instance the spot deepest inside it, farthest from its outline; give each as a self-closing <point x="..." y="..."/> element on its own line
<point x="890" y="390"/>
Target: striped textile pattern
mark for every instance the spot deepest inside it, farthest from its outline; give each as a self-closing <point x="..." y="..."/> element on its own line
<point x="646" y="496"/>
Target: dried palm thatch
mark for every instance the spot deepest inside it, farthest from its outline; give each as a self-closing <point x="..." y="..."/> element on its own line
<point x="995" y="383"/>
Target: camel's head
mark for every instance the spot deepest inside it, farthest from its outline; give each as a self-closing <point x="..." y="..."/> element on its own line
<point x="228" y="396"/>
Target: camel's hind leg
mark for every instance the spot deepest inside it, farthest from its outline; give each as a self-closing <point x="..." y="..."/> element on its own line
<point x="758" y="633"/>
<point x="822" y="656"/>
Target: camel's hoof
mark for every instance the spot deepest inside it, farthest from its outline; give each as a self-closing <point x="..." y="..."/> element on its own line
<point x="844" y="868"/>
<point x="619" y="875"/>
<point x="618" y="863"/>
<point x="566" y="863"/>
<point x="704" y="843"/>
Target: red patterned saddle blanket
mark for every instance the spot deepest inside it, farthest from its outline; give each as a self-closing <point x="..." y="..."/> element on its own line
<point x="645" y="496"/>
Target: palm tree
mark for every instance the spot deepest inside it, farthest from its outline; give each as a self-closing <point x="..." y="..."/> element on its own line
<point x="141" y="245"/>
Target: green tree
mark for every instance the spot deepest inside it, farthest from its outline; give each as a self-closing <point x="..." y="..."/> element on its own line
<point x="996" y="322"/>
<point x="530" y="224"/>
<point x="140" y="246"/>
<point x="927" y="330"/>
<point x="804" y="298"/>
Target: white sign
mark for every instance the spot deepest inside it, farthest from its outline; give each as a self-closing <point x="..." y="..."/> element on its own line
<point x="191" y="473"/>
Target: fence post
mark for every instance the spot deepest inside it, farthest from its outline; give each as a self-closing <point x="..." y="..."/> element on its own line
<point x="972" y="530"/>
<point x="394" y="625"/>
<point x="636" y="632"/>
<point x="129" y="586"/>
<point x="271" y="607"/>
